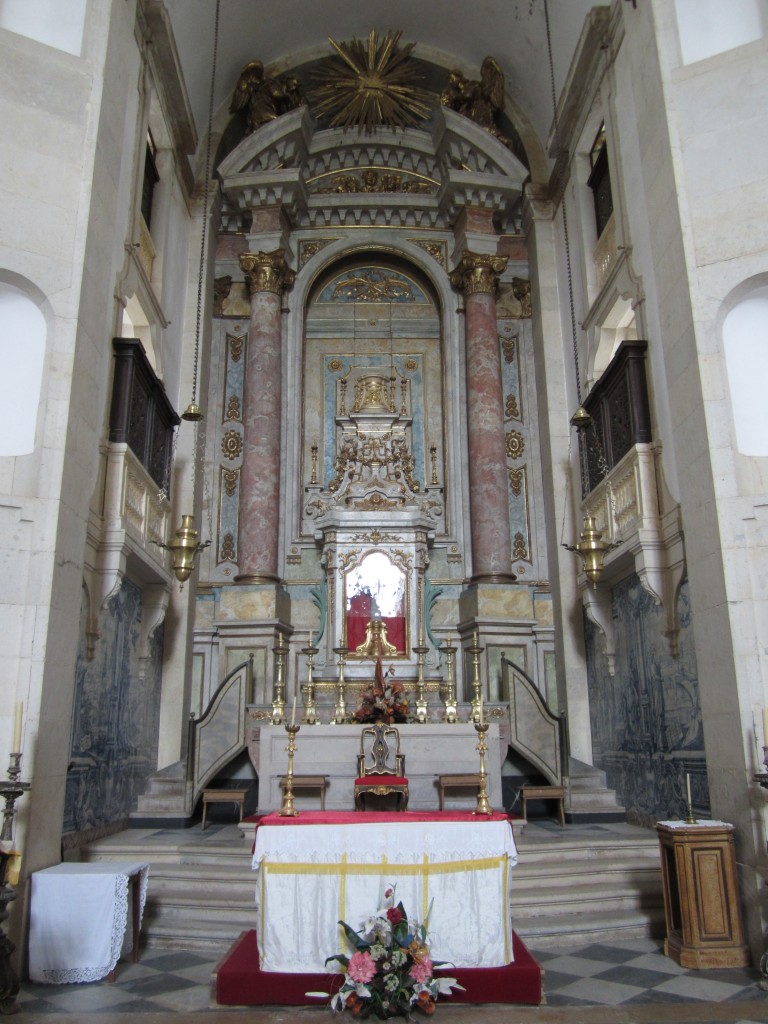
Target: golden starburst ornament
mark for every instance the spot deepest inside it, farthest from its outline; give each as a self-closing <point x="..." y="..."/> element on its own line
<point x="371" y="84"/>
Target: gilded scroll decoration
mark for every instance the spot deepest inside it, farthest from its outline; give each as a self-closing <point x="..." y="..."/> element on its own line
<point x="372" y="286"/>
<point x="437" y="250"/>
<point x="309" y="249"/>
<point x="516" y="477"/>
<point x="515" y="444"/>
<point x="227" y="549"/>
<point x="370" y="180"/>
<point x="509" y="348"/>
<point x="267" y="271"/>
<point x="229" y="479"/>
<point x="478" y="272"/>
<point x="511" y="411"/>
<point x="233" y="408"/>
<point x="520" y="548"/>
<point x="232" y="445"/>
<point x="236" y="342"/>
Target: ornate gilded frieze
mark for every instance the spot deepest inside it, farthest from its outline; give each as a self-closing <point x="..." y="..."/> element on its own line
<point x="478" y="272"/>
<point x="267" y="271"/>
<point x="371" y="180"/>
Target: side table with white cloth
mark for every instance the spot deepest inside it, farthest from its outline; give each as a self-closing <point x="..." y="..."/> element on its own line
<point x="319" y="868"/>
<point x="79" y="919"/>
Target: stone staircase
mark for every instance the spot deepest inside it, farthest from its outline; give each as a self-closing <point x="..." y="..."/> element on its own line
<point x="590" y="798"/>
<point x="571" y="886"/>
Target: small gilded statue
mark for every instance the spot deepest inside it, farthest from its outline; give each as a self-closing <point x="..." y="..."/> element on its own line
<point x="481" y="101"/>
<point x="263" y="99"/>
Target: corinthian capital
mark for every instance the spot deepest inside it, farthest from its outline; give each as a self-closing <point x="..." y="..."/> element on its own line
<point x="478" y="272"/>
<point x="267" y="271"/>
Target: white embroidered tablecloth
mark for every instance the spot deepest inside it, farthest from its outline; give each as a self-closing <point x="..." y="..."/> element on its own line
<point x="311" y="876"/>
<point x="78" y="919"/>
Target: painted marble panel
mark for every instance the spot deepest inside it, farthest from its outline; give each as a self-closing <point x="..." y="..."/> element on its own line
<point x="115" y="717"/>
<point x="646" y="719"/>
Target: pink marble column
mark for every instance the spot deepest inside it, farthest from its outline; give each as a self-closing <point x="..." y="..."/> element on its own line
<point x="267" y="276"/>
<point x="477" y="276"/>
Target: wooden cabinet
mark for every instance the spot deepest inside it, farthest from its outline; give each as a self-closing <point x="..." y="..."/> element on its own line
<point x="701" y="895"/>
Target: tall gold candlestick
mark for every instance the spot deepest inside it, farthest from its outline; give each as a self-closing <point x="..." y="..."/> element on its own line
<point x="340" y="712"/>
<point x="310" y="708"/>
<point x="475" y="649"/>
<point x="278" y="704"/>
<point x="483" y="805"/>
<point x="288" y="810"/>
<point x="450" y="715"/>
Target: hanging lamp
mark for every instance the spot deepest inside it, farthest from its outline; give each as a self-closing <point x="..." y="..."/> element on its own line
<point x="186" y="545"/>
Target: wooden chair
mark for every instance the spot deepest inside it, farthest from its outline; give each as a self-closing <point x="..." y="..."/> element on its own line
<point x="380" y="767"/>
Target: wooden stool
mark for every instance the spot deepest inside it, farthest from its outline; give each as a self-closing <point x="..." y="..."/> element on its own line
<point x="314" y="783"/>
<point x="544" y="793"/>
<point x="469" y="781"/>
<point x="222" y="796"/>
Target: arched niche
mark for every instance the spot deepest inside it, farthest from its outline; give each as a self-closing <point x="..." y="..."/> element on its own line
<point x="375" y="589"/>
<point x="23" y="333"/>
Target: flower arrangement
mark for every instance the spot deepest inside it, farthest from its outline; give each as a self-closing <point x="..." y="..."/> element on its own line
<point x="390" y="973"/>
<point x="383" y="701"/>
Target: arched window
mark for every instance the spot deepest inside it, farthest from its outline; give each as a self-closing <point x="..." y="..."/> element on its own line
<point x="22" y="351"/>
<point x="745" y="342"/>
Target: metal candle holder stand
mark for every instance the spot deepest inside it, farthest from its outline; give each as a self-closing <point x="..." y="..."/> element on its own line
<point x="474" y="650"/>
<point x="288" y="809"/>
<point x="421" y="651"/>
<point x="340" y="711"/>
<point x="310" y="708"/>
<point x="10" y="792"/>
<point x="451" y="714"/>
<point x="483" y="805"/>
<point x="278" y="704"/>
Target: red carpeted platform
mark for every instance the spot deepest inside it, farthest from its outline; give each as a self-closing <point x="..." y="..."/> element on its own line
<point x="239" y="982"/>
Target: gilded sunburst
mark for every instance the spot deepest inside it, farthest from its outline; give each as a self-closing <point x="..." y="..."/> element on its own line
<point x="371" y="84"/>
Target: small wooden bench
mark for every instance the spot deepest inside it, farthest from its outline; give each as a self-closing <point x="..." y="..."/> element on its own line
<point x="544" y="793"/>
<point x="222" y="796"/>
<point x="468" y="781"/>
<point x="314" y="783"/>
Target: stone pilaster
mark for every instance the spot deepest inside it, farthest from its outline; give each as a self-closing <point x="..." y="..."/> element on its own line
<point x="267" y="277"/>
<point x="477" y="276"/>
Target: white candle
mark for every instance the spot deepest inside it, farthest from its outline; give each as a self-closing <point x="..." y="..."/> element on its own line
<point x="310" y="638"/>
<point x="765" y="726"/>
<point x="16" y="745"/>
<point x="688" y="788"/>
<point x="293" y="712"/>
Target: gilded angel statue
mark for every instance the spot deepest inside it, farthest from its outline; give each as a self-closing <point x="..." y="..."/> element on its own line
<point x="263" y="99"/>
<point x="481" y="101"/>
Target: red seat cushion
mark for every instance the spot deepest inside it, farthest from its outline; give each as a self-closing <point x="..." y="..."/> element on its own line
<point x="381" y="780"/>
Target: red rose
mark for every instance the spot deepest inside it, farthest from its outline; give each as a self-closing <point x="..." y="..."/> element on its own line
<point x="395" y="915"/>
<point x="425" y="1003"/>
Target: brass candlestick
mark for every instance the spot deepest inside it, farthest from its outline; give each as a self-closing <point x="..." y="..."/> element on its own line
<point x="288" y="810"/>
<point x="340" y="711"/>
<point x="475" y="650"/>
<point x="690" y="820"/>
<point x="308" y="690"/>
<point x="483" y="806"/>
<point x="450" y="715"/>
<point x="278" y="704"/>
<point x="420" y="651"/>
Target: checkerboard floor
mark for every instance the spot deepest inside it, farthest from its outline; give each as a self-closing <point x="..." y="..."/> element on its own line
<point x="622" y="982"/>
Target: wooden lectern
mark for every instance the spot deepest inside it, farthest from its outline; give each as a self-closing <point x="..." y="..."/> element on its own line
<point x="701" y="895"/>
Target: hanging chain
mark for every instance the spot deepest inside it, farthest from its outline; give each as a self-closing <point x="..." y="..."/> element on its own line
<point x="206" y="186"/>
<point x="558" y="178"/>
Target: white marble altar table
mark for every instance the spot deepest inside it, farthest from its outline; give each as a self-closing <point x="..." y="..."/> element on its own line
<point x="323" y="867"/>
<point x="79" y="919"/>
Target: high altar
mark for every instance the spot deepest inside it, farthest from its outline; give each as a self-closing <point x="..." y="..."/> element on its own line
<point x="369" y="418"/>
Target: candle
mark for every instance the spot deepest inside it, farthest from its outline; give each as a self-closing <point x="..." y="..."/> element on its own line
<point x="310" y="638"/>
<point x="293" y="712"/>
<point x="688" y="787"/>
<point x="16" y="745"/>
<point x="765" y="726"/>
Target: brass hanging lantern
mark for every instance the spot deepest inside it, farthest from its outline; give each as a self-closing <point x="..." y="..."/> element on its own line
<point x="185" y="548"/>
<point x="591" y="549"/>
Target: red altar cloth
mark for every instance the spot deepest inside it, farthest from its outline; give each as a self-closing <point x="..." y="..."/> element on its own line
<point x="374" y="817"/>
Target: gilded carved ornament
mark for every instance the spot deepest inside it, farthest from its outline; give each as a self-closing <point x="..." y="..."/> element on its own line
<point x="267" y="271"/>
<point x="482" y="101"/>
<point x="478" y="272"/>
<point x="261" y="99"/>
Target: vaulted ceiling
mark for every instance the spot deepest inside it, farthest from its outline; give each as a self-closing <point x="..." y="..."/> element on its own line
<point x="450" y="33"/>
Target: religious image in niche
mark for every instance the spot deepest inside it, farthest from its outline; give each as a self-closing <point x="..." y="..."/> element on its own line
<point x="384" y="700"/>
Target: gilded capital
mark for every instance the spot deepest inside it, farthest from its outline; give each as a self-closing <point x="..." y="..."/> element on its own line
<point x="478" y="272"/>
<point x="267" y="271"/>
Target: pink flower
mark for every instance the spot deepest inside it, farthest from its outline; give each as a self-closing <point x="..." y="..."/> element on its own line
<point x="395" y="915"/>
<point x="421" y="971"/>
<point x="362" y="967"/>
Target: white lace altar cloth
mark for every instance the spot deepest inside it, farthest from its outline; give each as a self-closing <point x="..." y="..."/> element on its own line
<point x="78" y="919"/>
<point x="313" y="876"/>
